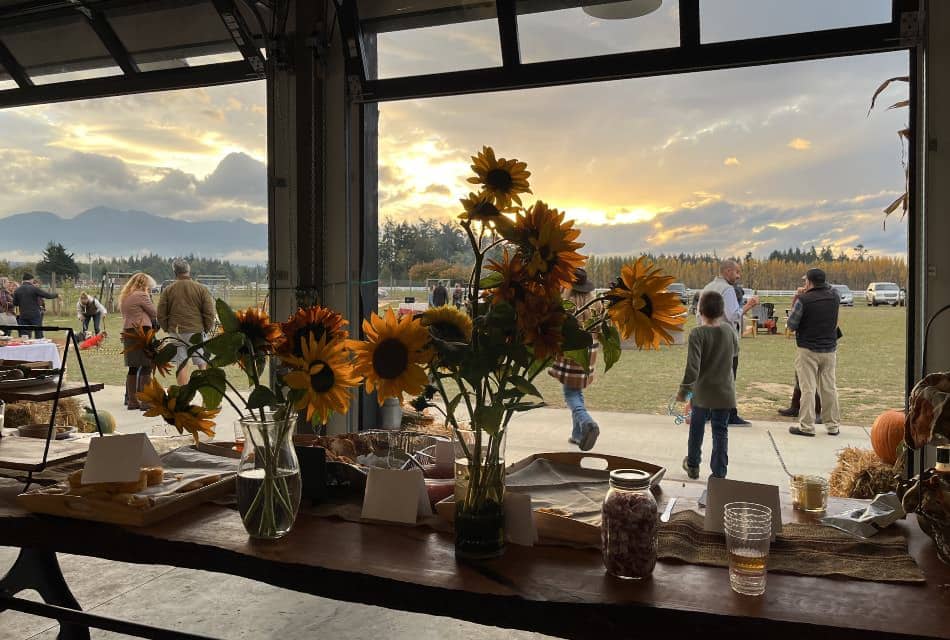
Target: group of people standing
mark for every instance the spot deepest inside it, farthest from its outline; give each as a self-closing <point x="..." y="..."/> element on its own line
<point x="439" y="295"/>
<point x="185" y="308"/>
<point x="712" y="362"/>
<point x="24" y="305"/>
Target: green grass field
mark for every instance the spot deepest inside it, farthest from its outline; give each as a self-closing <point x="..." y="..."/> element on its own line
<point x="644" y="381"/>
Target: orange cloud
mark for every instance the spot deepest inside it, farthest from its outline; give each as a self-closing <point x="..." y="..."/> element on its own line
<point x="731" y="161"/>
<point x="799" y="144"/>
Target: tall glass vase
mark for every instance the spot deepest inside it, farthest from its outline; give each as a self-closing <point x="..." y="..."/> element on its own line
<point x="268" y="482"/>
<point x="479" y="494"/>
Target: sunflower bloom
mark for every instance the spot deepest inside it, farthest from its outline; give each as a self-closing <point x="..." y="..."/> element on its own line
<point x="549" y="244"/>
<point x="540" y="319"/>
<point x="640" y="306"/>
<point x="155" y="397"/>
<point x="503" y="180"/>
<point x="392" y="358"/>
<point x="513" y="276"/>
<point x="143" y="339"/>
<point x="448" y="323"/>
<point x="194" y="419"/>
<point x="481" y="207"/>
<point x="260" y="332"/>
<point x="313" y="321"/>
<point x="186" y="417"/>
<point x="324" y="375"/>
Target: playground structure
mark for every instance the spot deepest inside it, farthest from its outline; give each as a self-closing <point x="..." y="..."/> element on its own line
<point x="219" y="286"/>
<point x="109" y="288"/>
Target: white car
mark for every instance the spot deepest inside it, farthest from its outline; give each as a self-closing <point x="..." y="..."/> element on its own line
<point x="846" y="297"/>
<point x="882" y="293"/>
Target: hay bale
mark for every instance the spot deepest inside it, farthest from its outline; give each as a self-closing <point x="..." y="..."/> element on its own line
<point x="861" y="474"/>
<point x="23" y="413"/>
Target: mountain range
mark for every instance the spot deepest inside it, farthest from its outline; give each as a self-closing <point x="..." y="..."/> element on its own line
<point x="107" y="232"/>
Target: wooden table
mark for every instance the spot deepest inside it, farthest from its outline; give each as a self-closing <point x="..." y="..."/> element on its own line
<point x="47" y="392"/>
<point x="553" y="590"/>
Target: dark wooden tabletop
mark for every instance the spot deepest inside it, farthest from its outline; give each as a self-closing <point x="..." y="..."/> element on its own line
<point x="554" y="590"/>
<point x="44" y="392"/>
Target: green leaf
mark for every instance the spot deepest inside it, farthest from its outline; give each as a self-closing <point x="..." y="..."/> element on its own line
<point x="574" y="336"/>
<point x="527" y="406"/>
<point x="580" y="356"/>
<point x="262" y="397"/>
<point x="224" y="344"/>
<point x="488" y="419"/>
<point x="210" y="384"/>
<point x="226" y="315"/>
<point x="524" y="386"/>
<point x="610" y="341"/>
<point x="492" y="280"/>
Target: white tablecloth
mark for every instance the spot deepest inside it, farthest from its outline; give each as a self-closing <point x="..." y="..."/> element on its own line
<point x="33" y="353"/>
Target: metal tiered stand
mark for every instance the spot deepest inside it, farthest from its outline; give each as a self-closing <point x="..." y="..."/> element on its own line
<point x="21" y="456"/>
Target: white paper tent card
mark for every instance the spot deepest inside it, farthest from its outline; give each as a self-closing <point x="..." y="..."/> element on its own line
<point x="119" y="458"/>
<point x="394" y="495"/>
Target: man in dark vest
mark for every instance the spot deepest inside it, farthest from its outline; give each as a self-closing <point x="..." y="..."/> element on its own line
<point x="440" y="295"/>
<point x="814" y="318"/>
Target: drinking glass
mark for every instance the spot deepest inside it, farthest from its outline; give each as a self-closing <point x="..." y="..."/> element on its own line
<point x="748" y="529"/>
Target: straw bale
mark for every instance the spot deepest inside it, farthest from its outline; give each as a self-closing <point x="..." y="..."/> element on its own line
<point x="859" y="473"/>
<point x="23" y="413"/>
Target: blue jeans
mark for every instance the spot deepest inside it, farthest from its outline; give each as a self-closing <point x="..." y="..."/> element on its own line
<point x="575" y="402"/>
<point x="37" y="321"/>
<point x="720" y="430"/>
<point x="96" y="319"/>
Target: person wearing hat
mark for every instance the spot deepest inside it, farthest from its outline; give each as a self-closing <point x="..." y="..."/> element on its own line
<point x="573" y="376"/>
<point x="814" y="318"/>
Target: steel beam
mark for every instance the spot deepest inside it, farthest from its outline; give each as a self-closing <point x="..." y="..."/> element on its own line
<point x="236" y="25"/>
<point x="9" y="62"/>
<point x="689" y="23"/>
<point x="720" y="55"/>
<point x="110" y="39"/>
<point x="164" y="80"/>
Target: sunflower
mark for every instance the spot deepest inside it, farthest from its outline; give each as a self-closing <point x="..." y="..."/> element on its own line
<point x="184" y="417"/>
<point x="448" y="323"/>
<point x="261" y="334"/>
<point x="313" y="321"/>
<point x="503" y="179"/>
<point x="513" y="278"/>
<point x="391" y="359"/>
<point x="640" y="306"/>
<point x="480" y="207"/>
<point x="540" y="319"/>
<point x="323" y="374"/>
<point x="549" y="244"/>
<point x="143" y="339"/>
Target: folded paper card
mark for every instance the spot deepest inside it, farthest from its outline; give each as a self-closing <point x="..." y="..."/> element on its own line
<point x="119" y="458"/>
<point x="394" y="495"/>
<point x="519" y="519"/>
<point x="720" y="491"/>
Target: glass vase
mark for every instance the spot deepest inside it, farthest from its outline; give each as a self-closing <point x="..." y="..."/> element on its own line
<point x="268" y="482"/>
<point x="479" y="494"/>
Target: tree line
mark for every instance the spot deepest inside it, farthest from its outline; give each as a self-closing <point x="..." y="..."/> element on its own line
<point x="57" y="259"/>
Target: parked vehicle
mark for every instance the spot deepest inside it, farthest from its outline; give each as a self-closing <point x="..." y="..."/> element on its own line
<point x="882" y="293"/>
<point x="844" y="294"/>
<point x="680" y="289"/>
<point x="902" y="297"/>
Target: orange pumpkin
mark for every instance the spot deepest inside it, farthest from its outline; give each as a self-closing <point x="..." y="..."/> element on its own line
<point x="887" y="432"/>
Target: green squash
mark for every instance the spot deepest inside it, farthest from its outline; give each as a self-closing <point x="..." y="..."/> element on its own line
<point x="87" y="421"/>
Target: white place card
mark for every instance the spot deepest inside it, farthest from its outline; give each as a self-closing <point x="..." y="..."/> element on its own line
<point x="394" y="495"/>
<point x="720" y="491"/>
<point x="119" y="458"/>
<point x="519" y="519"/>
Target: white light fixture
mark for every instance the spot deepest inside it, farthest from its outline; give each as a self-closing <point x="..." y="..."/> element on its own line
<point x="622" y="9"/>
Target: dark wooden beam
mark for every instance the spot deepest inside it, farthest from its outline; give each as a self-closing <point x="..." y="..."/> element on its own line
<point x="164" y="80"/>
<point x="508" y="32"/>
<point x="689" y="23"/>
<point x="110" y="40"/>
<point x="9" y="62"/>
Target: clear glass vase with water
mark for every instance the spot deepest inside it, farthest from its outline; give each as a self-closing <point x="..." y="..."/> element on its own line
<point x="268" y="482"/>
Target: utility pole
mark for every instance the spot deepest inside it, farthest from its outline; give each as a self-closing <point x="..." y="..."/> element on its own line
<point x="89" y="257"/>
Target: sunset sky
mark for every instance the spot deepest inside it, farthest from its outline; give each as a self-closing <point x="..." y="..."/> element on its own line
<point x="727" y="161"/>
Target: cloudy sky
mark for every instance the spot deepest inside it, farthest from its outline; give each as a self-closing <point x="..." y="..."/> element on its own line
<point x="728" y="161"/>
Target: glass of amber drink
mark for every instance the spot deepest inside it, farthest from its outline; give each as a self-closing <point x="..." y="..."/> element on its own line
<point x="748" y="529"/>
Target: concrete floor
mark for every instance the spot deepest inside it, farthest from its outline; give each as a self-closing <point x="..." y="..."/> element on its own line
<point x="230" y="607"/>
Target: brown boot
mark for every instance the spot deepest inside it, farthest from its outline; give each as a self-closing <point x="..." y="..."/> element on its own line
<point x="131" y="402"/>
<point x="145" y="377"/>
<point x="792" y="411"/>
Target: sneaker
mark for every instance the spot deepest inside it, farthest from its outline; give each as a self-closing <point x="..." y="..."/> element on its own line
<point x="691" y="472"/>
<point x="798" y="431"/>
<point x="833" y="431"/>
<point x="736" y="421"/>
<point x="791" y="412"/>
<point x="589" y="433"/>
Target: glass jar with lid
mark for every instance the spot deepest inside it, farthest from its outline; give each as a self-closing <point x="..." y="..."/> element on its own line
<point x="628" y="525"/>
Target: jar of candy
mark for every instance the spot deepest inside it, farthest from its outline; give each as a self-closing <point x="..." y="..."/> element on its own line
<point x="628" y="526"/>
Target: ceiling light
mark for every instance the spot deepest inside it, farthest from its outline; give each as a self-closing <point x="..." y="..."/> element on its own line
<point x="622" y="9"/>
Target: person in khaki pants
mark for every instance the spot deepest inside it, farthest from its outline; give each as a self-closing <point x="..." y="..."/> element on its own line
<point x="814" y="318"/>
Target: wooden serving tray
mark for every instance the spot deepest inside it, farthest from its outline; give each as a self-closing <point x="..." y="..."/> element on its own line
<point x="71" y="506"/>
<point x="564" y="530"/>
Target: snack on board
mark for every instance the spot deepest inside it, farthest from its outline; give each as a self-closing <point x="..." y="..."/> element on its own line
<point x="148" y="477"/>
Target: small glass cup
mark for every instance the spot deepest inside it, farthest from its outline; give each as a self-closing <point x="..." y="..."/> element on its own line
<point x="809" y="493"/>
<point x="748" y="529"/>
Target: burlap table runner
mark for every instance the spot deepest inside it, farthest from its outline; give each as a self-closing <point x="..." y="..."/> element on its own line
<point x="802" y="549"/>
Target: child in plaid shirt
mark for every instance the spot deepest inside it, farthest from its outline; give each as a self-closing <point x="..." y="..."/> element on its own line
<point x="574" y="378"/>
